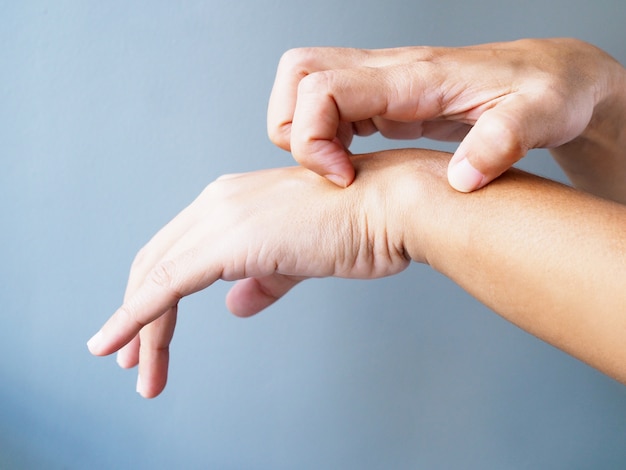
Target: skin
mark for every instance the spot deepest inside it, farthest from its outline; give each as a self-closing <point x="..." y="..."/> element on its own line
<point x="524" y="251"/>
<point x="518" y="245"/>
<point x="499" y="100"/>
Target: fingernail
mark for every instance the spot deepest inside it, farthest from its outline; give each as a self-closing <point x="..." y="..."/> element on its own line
<point x="118" y="359"/>
<point x="338" y="180"/>
<point x="464" y="177"/>
<point x="139" y="387"/>
<point x="94" y="342"/>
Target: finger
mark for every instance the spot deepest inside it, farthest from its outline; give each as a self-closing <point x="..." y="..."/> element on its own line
<point x="296" y="64"/>
<point x="501" y="137"/>
<point x="249" y="296"/>
<point x="326" y="99"/>
<point x="145" y="260"/>
<point x="436" y="129"/>
<point x="157" y="247"/>
<point x="128" y="356"/>
<point x="444" y="130"/>
<point x="293" y="66"/>
<point x="164" y="286"/>
<point x="154" y="354"/>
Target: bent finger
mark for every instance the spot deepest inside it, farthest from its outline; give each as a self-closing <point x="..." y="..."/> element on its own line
<point x="166" y="284"/>
<point x="298" y="63"/>
<point x="249" y="296"/>
<point x="502" y="136"/>
<point x="128" y="355"/>
<point x="327" y="99"/>
<point x="154" y="354"/>
<point x="153" y="251"/>
<point x="294" y="65"/>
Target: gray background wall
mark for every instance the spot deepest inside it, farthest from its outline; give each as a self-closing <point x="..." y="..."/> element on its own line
<point x="113" y="116"/>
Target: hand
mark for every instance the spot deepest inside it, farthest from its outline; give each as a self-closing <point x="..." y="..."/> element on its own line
<point x="271" y="229"/>
<point x="274" y="228"/>
<point x="500" y="100"/>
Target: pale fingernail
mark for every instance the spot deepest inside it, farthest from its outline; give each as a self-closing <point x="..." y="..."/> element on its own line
<point x="338" y="180"/>
<point x="118" y="359"/>
<point x="94" y="342"/>
<point x="139" y="387"/>
<point x="464" y="177"/>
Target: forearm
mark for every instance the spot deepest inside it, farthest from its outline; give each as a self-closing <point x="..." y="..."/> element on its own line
<point x="596" y="160"/>
<point x="546" y="257"/>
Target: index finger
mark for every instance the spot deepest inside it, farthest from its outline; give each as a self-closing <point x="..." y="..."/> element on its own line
<point x="399" y="93"/>
<point x="316" y="96"/>
<point x="293" y="66"/>
<point x="148" y="303"/>
<point x="163" y="288"/>
<point x="296" y="64"/>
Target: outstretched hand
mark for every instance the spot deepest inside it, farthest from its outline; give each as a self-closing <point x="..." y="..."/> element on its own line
<point x="269" y="229"/>
<point x="500" y="100"/>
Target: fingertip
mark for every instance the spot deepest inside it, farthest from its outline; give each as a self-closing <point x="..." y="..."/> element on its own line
<point x="95" y="344"/>
<point x="143" y="391"/>
<point x="124" y="362"/>
<point x="338" y="180"/>
<point x="327" y="158"/>
<point x="340" y="172"/>
<point x="250" y="296"/>
<point x="497" y="140"/>
<point x="120" y="361"/>
<point x="242" y="299"/>
<point x="139" y="385"/>
<point x="150" y="383"/>
<point x="463" y="177"/>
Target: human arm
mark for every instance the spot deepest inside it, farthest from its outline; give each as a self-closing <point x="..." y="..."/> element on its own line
<point x="544" y="256"/>
<point x="499" y="100"/>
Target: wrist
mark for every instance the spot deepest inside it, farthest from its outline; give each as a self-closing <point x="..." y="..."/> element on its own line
<point x="407" y="189"/>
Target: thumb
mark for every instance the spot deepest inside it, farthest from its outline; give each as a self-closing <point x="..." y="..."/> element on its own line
<point x="497" y="141"/>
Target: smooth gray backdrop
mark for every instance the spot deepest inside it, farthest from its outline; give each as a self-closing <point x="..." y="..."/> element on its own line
<point x="113" y="116"/>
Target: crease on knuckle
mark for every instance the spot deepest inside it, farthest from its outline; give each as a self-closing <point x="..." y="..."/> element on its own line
<point x="132" y="316"/>
<point x="164" y="276"/>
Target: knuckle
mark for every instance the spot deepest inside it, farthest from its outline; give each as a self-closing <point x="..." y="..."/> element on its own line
<point x="141" y="260"/>
<point x="221" y="192"/>
<point x="299" y="59"/>
<point x="163" y="274"/>
<point x="131" y="316"/>
<point x="280" y="133"/>
<point x="427" y="53"/>
<point x="228" y="176"/>
<point x="506" y="132"/>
